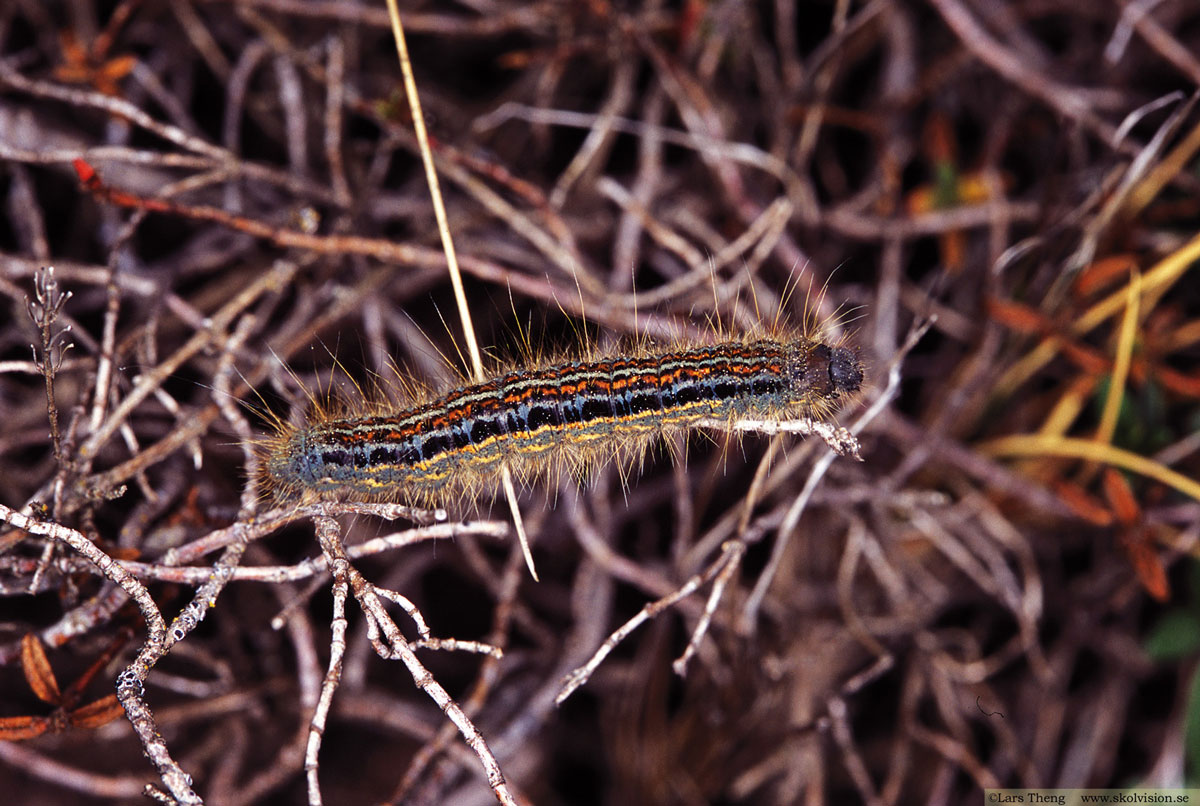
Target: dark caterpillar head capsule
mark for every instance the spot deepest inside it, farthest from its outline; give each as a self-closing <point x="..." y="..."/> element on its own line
<point x="845" y="371"/>
<point x="823" y="373"/>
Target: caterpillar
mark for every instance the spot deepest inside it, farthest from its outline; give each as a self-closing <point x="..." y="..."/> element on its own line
<point x="568" y="415"/>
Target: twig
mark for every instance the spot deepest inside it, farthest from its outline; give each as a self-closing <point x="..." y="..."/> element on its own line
<point x="330" y="538"/>
<point x="732" y="557"/>
<point x="44" y="310"/>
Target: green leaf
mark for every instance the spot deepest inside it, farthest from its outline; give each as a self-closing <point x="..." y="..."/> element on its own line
<point x="1176" y="636"/>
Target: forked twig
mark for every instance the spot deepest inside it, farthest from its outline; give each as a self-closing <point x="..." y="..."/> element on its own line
<point x="396" y="647"/>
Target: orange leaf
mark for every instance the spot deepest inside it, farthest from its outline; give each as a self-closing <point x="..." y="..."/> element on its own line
<point x="954" y="250"/>
<point x="95" y="714"/>
<point x="515" y="59"/>
<point x="1147" y="565"/>
<point x="1120" y="497"/>
<point x="37" y="670"/>
<point x="72" y="73"/>
<point x="1082" y="504"/>
<point x="73" y="52"/>
<point x="920" y="200"/>
<point x="1016" y="316"/>
<point x="118" y="68"/>
<point x="1178" y="382"/>
<point x="1103" y="273"/>
<point x="15" y="728"/>
<point x="975" y="188"/>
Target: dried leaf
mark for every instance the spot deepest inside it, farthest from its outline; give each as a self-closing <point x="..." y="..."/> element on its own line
<point x="37" y="670"/>
<point x="1083" y="504"/>
<point x="1147" y="564"/>
<point x="1017" y="317"/>
<point x="16" y="728"/>
<point x="97" y="713"/>
<point x="118" y="67"/>
<point x="1103" y="274"/>
<point x="1120" y="497"/>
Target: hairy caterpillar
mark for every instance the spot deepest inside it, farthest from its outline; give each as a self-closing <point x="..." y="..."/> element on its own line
<point x="567" y="415"/>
